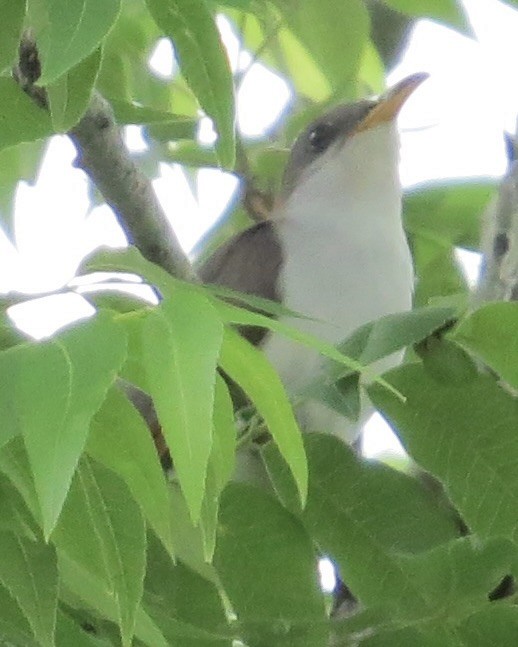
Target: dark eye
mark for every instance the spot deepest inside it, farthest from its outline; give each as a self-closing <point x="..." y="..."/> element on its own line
<point x="321" y="136"/>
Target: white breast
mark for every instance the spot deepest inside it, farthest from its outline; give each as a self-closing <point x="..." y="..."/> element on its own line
<point x="347" y="259"/>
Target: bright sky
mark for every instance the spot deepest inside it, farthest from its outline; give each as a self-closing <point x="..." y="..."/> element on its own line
<point x="451" y="127"/>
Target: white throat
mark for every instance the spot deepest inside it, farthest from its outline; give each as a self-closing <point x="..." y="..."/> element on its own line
<point x="346" y="257"/>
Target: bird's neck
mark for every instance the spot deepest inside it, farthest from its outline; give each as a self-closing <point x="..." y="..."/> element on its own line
<point x="343" y="239"/>
<point x="358" y="189"/>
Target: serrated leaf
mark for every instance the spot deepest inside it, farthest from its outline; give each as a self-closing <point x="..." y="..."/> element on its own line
<point x="181" y="343"/>
<point x="267" y="565"/>
<point x="13" y="13"/>
<point x="203" y="62"/>
<point x="120" y="439"/>
<point x="362" y="514"/>
<point x="75" y="29"/>
<point x="491" y="333"/>
<point x="465" y="435"/>
<point x="70" y="94"/>
<point x="28" y="571"/>
<point x="102" y="529"/>
<point x="22" y="120"/>
<point x="54" y="414"/>
<point x="252" y="371"/>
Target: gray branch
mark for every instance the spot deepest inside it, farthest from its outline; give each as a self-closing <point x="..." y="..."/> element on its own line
<point x="106" y="160"/>
<point x="499" y="276"/>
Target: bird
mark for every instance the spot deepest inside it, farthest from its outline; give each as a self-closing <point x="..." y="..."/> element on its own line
<point x="334" y="248"/>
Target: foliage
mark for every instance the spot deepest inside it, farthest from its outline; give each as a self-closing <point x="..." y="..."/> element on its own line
<point x="98" y="546"/>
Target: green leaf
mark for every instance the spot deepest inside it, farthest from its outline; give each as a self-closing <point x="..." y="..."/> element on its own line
<point x="69" y="632"/>
<point x="495" y="625"/>
<point x="22" y="120"/>
<point x="19" y="162"/>
<point x="54" y="414"/>
<point x="252" y="371"/>
<point x="120" y="439"/>
<point x="459" y="575"/>
<point x="127" y="112"/>
<point x="224" y="442"/>
<point x="15" y="465"/>
<point x="188" y="538"/>
<point x="204" y="64"/>
<point x="306" y="75"/>
<point x="433" y="634"/>
<point x="240" y="316"/>
<point x="13" y="13"/>
<point x="465" y="435"/>
<point x="75" y="29"/>
<point x="177" y="599"/>
<point x="448" y="213"/>
<point x="389" y="334"/>
<point x="28" y="571"/>
<point x="93" y="594"/>
<point x="449" y="12"/>
<point x="323" y="27"/>
<point x="131" y="260"/>
<point x="187" y="153"/>
<point x="14" y="512"/>
<point x="221" y="464"/>
<point x="268" y="567"/>
<point x="70" y="94"/>
<point x="181" y="343"/>
<point x="14" y="628"/>
<point x="102" y="529"/>
<point x="438" y="272"/>
<point x="363" y="514"/>
<point x="491" y="333"/>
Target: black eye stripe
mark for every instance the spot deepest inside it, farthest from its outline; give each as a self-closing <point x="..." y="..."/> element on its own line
<point x="321" y="136"/>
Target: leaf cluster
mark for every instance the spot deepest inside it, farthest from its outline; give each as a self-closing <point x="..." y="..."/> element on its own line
<point x="98" y="546"/>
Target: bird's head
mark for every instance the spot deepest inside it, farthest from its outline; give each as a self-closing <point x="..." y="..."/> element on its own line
<point x="351" y="147"/>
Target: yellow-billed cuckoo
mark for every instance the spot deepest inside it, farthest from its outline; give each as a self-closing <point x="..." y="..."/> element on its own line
<point x="335" y="248"/>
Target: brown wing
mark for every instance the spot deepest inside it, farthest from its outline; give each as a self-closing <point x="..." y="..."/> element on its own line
<point x="249" y="262"/>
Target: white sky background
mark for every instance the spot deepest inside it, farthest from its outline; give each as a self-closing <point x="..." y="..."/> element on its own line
<point x="451" y="127"/>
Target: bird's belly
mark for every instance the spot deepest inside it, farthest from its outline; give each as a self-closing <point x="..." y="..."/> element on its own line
<point x="341" y="283"/>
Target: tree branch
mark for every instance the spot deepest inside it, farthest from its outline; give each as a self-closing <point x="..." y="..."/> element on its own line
<point x="108" y="163"/>
<point x="499" y="275"/>
<point x="106" y="160"/>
